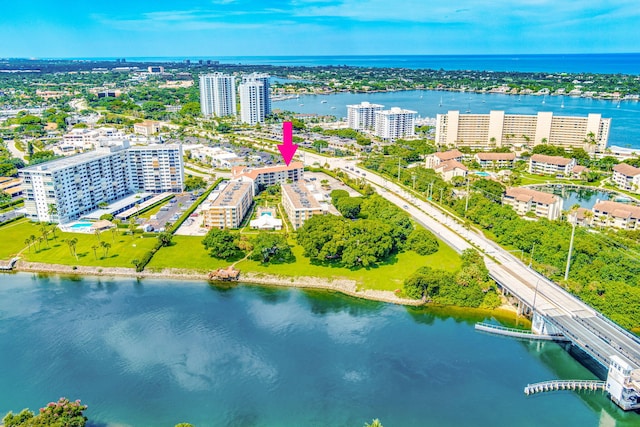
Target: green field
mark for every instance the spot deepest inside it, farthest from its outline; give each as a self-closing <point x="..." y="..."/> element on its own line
<point x="187" y="252"/>
<point x="124" y="248"/>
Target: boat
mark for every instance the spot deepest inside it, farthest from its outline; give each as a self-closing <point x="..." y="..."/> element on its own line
<point x="333" y="108"/>
<point x="440" y="105"/>
<point x="562" y="104"/>
<point x="302" y="105"/>
<point x="618" y="106"/>
<point x="543" y="99"/>
<point x="323" y="102"/>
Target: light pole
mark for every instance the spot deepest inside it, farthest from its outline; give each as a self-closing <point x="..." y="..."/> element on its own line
<point x="531" y="255"/>
<point x="535" y="295"/>
<point x="573" y="232"/>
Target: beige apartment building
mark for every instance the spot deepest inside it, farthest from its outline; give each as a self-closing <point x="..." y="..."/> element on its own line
<point x="228" y="208"/>
<point x="271" y="175"/>
<point x="524" y="200"/>
<point x="433" y="160"/>
<point x="626" y="177"/>
<point x="551" y="165"/>
<point x="616" y="215"/>
<point x="299" y="204"/>
<point x="497" y="129"/>
<point x="496" y="160"/>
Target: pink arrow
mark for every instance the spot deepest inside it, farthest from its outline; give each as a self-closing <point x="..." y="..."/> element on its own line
<point x="287" y="148"/>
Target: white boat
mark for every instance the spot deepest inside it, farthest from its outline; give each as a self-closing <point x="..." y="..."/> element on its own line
<point x="333" y="108"/>
<point x="440" y="105"/>
<point x="323" y="102"/>
<point x="543" y="98"/>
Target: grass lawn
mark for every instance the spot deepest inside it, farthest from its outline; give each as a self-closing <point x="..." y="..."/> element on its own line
<point x="13" y="236"/>
<point x="185" y="252"/>
<point x="188" y="252"/>
<point x="124" y="248"/>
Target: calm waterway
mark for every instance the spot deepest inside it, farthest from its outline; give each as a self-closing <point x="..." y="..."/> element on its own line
<point x="155" y="353"/>
<point x="624" y="129"/>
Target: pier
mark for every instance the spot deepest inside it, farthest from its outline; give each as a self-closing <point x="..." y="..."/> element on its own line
<point x="9" y="266"/>
<point x="517" y="333"/>
<point x="573" y="385"/>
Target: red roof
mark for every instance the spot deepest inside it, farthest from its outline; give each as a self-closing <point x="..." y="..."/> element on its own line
<point x="449" y="155"/>
<point x="551" y="160"/>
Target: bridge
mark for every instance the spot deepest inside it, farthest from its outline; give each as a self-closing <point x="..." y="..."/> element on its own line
<point x="553" y="309"/>
<point x="517" y="333"/>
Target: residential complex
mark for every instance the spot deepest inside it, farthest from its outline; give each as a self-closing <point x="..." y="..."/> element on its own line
<point x="217" y="95"/>
<point x="362" y="116"/>
<point x="147" y="127"/>
<point x="271" y="175"/>
<point x="76" y="185"/>
<point x="626" y="177"/>
<point x="299" y="204"/>
<point x="395" y="123"/>
<point x="497" y="129"/>
<point x="525" y="201"/>
<point x="450" y="169"/>
<point x="228" y="208"/>
<point x="496" y="160"/>
<point x="554" y="165"/>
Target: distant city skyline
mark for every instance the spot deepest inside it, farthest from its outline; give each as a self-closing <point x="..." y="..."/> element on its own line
<point x="66" y="29"/>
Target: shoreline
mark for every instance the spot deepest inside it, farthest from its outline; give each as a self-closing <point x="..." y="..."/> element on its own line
<point x="344" y="286"/>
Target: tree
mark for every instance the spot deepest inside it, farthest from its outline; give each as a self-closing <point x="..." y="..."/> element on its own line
<point x="95" y="247"/>
<point x="221" y="244"/>
<point x="194" y="183"/>
<point x="190" y="109"/>
<point x="349" y="207"/>
<point x="27" y="242"/>
<point x="336" y="194"/>
<point x="45" y="230"/>
<point x="269" y="247"/>
<point x="165" y="238"/>
<point x="72" y="246"/>
<point x="224" y="128"/>
<point x="105" y="247"/>
<point x="423" y="242"/>
<point x="97" y="234"/>
<point x="52" y="210"/>
<point x="374" y="423"/>
<point x="62" y="413"/>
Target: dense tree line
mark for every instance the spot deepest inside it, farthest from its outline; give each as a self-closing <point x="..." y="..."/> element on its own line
<point x="468" y="287"/>
<point x="605" y="267"/>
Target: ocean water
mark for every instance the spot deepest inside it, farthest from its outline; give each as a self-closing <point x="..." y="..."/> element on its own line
<point x="155" y="353"/>
<point x="625" y="115"/>
<point x="609" y="63"/>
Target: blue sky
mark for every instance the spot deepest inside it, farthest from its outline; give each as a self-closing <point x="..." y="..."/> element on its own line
<point x="213" y="28"/>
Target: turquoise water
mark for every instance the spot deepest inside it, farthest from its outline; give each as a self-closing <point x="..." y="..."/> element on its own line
<point x="584" y="197"/>
<point x="155" y="353"/>
<point x="81" y="225"/>
<point x="481" y="173"/>
<point x="624" y="130"/>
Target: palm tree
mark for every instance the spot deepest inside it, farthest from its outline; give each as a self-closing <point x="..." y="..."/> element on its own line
<point x="45" y="230"/>
<point x="27" y="242"/>
<point x="72" y="246"/>
<point x="374" y="423"/>
<point x="40" y="239"/>
<point x="95" y="247"/>
<point x="114" y="231"/>
<point x="32" y="238"/>
<point x="105" y="248"/>
<point x="97" y="234"/>
<point x="52" y="210"/>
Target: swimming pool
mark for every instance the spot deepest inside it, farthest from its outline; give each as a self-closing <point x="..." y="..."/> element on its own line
<point x="79" y="225"/>
<point x="482" y="173"/>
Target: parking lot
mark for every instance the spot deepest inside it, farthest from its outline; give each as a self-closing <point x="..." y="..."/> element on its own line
<point x="171" y="211"/>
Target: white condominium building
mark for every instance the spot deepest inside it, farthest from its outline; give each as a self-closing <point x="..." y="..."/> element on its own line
<point x="217" y="95"/>
<point x="395" y="123"/>
<point x="497" y="129"/>
<point x="76" y="185"/>
<point x="362" y="116"/>
<point x="270" y="175"/>
<point x="252" y="102"/>
<point x="556" y="165"/>
<point x="266" y="86"/>
<point x="229" y="207"/>
<point x="524" y="200"/>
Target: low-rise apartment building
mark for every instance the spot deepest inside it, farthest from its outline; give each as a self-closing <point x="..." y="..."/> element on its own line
<point x="433" y="160"/>
<point x="616" y="215"/>
<point x="626" y="177"/>
<point x="228" y="208"/>
<point x="147" y="127"/>
<point x="299" y="204"/>
<point x="496" y="160"/>
<point x="270" y="175"/>
<point x="450" y="169"/>
<point x="551" y="165"/>
<point x="524" y="201"/>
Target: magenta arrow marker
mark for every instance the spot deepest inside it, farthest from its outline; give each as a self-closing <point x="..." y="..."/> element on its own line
<point x="287" y="148"/>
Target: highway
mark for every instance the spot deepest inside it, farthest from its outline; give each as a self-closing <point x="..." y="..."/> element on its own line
<point x="586" y="328"/>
